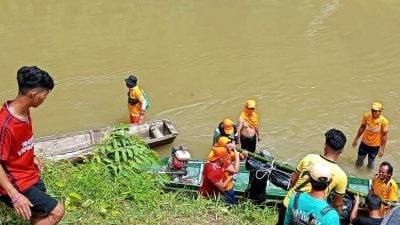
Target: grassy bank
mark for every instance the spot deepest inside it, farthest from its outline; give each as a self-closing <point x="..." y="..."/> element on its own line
<point x="114" y="188"/>
<point x="93" y="195"/>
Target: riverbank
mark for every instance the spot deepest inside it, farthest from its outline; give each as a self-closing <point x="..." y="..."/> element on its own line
<point x="91" y="195"/>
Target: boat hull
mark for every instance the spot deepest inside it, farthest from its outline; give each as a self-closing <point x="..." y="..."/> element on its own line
<point x="192" y="181"/>
<point x="80" y="143"/>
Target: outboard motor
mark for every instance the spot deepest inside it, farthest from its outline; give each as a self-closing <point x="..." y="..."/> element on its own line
<point x="177" y="168"/>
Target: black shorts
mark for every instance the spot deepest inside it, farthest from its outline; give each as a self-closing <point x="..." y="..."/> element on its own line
<point x="41" y="201"/>
<point x="364" y="149"/>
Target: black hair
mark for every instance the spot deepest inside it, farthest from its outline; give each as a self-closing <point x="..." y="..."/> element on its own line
<point x="30" y="77"/>
<point x="373" y="202"/>
<point x="320" y="184"/>
<point x="390" y="167"/>
<point x="335" y="139"/>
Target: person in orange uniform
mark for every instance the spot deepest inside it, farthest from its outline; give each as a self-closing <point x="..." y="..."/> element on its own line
<point x="136" y="102"/>
<point x="228" y="129"/>
<point x="374" y="130"/>
<point x="248" y="130"/>
<point x="230" y="168"/>
<point x="215" y="181"/>
<point x="384" y="186"/>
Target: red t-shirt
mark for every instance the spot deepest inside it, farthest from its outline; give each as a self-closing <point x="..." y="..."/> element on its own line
<point x="211" y="175"/>
<point x="17" y="150"/>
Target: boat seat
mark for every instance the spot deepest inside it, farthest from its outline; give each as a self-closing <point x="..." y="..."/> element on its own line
<point x="156" y="132"/>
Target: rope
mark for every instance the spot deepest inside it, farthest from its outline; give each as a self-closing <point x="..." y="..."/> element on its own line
<point x="267" y="172"/>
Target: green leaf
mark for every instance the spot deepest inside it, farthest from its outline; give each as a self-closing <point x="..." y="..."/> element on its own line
<point x="114" y="168"/>
<point x="60" y="184"/>
<point x="145" y="160"/>
<point x="75" y="197"/>
<point x="97" y="158"/>
<point x="115" y="213"/>
<point x="114" y="143"/>
<point x="135" y="165"/>
<point x="130" y="153"/>
<point x="124" y="158"/>
<point x="123" y="141"/>
<point x="138" y="160"/>
<point x="116" y="156"/>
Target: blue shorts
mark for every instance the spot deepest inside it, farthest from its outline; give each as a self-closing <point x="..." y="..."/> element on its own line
<point x="42" y="203"/>
<point x="230" y="197"/>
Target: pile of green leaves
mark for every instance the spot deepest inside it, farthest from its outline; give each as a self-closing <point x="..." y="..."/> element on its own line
<point x="124" y="153"/>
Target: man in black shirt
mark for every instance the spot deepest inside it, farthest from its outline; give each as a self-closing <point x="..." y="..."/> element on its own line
<point x="373" y="203"/>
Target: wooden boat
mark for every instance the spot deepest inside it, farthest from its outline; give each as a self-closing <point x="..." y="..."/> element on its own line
<point x="74" y="144"/>
<point x="191" y="180"/>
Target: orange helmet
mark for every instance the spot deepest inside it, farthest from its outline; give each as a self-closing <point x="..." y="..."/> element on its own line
<point x="217" y="153"/>
<point x="228" y="126"/>
<point x="222" y="141"/>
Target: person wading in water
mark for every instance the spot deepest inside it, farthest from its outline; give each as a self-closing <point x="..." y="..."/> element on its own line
<point x="248" y="130"/>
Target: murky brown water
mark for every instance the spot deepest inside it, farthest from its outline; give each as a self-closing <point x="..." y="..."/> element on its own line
<point x="311" y="65"/>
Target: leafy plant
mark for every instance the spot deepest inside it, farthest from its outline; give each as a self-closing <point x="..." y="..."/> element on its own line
<point x="124" y="153"/>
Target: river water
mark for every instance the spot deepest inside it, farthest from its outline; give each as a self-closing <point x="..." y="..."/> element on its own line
<point x="311" y="65"/>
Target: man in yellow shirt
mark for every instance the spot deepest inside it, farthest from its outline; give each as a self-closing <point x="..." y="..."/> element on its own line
<point x="335" y="141"/>
<point x="384" y="186"/>
<point x="374" y="130"/>
<point x="136" y="102"/>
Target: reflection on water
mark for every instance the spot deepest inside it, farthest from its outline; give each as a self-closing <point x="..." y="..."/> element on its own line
<point x="310" y="65"/>
<point x="316" y="24"/>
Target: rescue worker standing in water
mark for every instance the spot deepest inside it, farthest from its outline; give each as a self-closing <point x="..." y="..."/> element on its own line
<point x="137" y="103"/>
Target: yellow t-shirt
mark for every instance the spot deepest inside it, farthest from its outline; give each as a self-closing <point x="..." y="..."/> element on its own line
<point x="338" y="183"/>
<point x="373" y="130"/>
<point x="386" y="190"/>
<point x="135" y="93"/>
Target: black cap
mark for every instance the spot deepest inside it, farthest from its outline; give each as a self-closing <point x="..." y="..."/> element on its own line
<point x="131" y="80"/>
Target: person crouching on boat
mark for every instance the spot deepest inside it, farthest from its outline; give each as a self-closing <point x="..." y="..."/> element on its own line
<point x="230" y="146"/>
<point x="218" y="175"/>
<point x="233" y="165"/>
<point x="137" y="103"/>
<point x="384" y="186"/>
<point x="228" y="129"/>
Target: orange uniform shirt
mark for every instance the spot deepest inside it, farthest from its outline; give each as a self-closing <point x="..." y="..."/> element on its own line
<point x="136" y="93"/>
<point x="373" y="129"/>
<point x="386" y="190"/>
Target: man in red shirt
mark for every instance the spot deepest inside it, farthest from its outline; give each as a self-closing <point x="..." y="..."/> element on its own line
<point x="20" y="185"/>
<point x="214" y="179"/>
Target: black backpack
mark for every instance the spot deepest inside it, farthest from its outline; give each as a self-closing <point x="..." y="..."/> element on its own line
<point x="311" y="218"/>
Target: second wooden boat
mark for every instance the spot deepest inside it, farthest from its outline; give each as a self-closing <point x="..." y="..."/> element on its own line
<point x="75" y="144"/>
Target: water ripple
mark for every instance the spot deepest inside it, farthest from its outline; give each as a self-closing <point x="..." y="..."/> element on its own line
<point x="316" y="24"/>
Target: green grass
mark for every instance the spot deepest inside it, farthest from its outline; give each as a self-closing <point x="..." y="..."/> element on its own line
<point x="114" y="188"/>
<point x="92" y="195"/>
